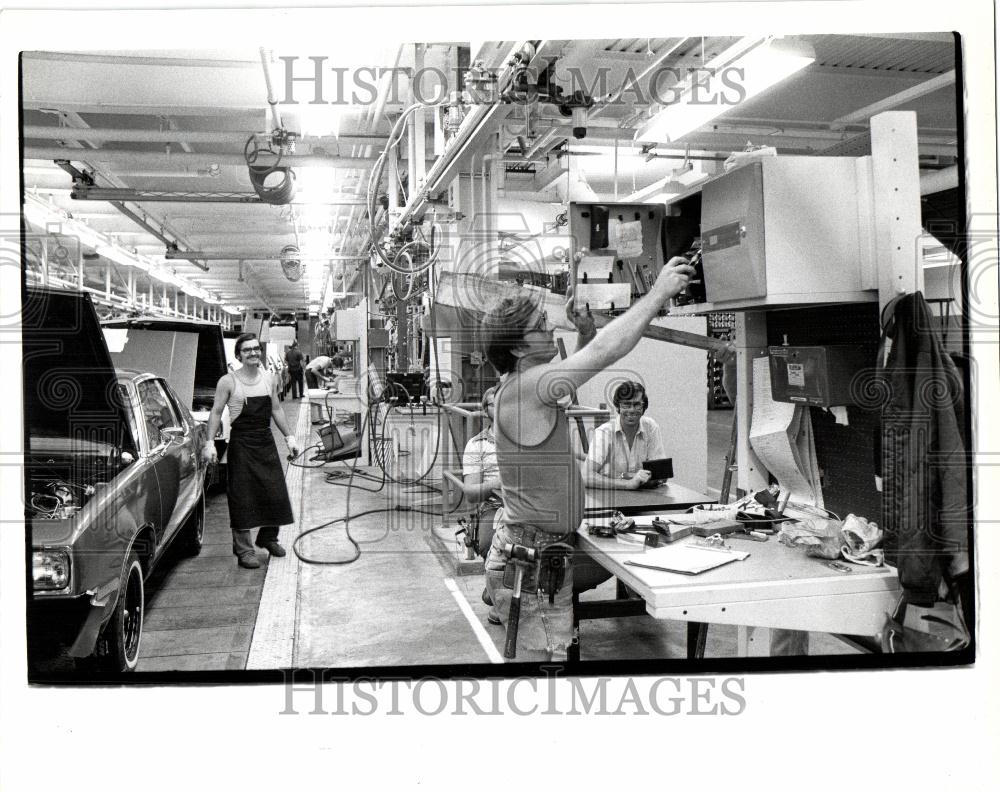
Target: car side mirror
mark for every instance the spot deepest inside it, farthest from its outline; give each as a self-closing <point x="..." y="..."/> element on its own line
<point x="172" y="434"/>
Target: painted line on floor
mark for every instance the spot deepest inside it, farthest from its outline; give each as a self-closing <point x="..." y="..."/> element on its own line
<point x="273" y="643"/>
<point x="477" y="627"/>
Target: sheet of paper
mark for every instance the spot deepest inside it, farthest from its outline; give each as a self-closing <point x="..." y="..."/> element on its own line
<point x="686" y="559"/>
<point x="596" y="268"/>
<point x="626" y="238"/>
<point x="601" y="296"/>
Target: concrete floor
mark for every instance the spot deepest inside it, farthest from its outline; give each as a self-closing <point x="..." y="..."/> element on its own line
<point x="400" y="603"/>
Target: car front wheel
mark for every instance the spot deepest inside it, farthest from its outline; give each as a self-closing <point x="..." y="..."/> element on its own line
<point x="124" y="631"/>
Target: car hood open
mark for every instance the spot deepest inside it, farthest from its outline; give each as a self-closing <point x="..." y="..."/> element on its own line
<point x="71" y="391"/>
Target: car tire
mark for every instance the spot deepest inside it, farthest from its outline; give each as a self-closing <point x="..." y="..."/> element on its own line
<point x="124" y="632"/>
<point x="192" y="536"/>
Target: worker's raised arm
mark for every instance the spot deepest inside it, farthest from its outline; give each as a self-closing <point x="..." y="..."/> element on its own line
<point x="613" y="341"/>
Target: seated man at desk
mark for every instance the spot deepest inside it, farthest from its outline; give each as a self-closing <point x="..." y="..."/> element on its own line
<point x="620" y="446"/>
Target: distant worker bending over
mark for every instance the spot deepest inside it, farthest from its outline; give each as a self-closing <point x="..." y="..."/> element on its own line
<point x="542" y="487"/>
<point x="621" y="445"/>
<point x="317" y="370"/>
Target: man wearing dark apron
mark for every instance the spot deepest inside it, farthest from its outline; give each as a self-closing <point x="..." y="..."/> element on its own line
<point x="256" y="490"/>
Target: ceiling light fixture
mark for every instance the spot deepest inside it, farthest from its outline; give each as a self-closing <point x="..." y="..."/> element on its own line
<point x="718" y="90"/>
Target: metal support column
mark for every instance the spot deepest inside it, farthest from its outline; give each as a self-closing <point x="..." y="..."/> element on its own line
<point x="751" y="343"/>
<point x="896" y="194"/>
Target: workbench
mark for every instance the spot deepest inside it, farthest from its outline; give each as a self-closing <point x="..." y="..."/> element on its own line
<point x="776" y="587"/>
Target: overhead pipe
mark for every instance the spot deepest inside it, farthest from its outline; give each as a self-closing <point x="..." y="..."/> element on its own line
<point x="128" y="157"/>
<point x="270" y="92"/>
<point x="106" y="135"/>
<point x="180" y="196"/>
<point x="246" y="255"/>
<point x="440" y="174"/>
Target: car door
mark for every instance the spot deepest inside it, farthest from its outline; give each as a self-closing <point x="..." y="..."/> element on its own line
<point x="164" y="431"/>
<point x="191" y="472"/>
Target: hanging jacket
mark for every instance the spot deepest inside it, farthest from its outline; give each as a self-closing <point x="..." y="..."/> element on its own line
<point x="925" y="507"/>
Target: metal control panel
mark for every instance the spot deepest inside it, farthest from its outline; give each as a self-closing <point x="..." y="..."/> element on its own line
<point x="820" y="376"/>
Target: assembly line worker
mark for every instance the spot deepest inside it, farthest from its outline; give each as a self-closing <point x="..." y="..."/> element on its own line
<point x="293" y="359"/>
<point x="481" y="475"/>
<point x="481" y="485"/>
<point x="620" y="446"/>
<point x="541" y="483"/>
<point x="256" y="491"/>
<point x="319" y="366"/>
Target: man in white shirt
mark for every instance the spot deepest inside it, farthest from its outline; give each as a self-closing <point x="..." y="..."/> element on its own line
<point x="317" y="370"/>
<point x="621" y="445"/>
<point x="481" y="475"/>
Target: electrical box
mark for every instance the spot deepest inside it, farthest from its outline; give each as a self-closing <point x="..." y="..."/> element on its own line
<point x="820" y="376"/>
<point x="628" y="237"/>
<point x="788" y="230"/>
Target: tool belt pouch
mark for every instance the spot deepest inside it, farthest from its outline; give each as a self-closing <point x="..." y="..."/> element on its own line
<point x="552" y="563"/>
<point x="527" y="580"/>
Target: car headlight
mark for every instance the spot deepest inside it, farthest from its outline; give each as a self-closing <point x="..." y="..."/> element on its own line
<point x="50" y="569"/>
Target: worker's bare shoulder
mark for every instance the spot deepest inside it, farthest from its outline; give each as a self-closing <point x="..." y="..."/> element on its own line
<point x="544" y="387"/>
<point x="523" y="413"/>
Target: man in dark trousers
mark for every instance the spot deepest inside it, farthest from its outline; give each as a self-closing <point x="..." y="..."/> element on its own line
<point x="293" y="357"/>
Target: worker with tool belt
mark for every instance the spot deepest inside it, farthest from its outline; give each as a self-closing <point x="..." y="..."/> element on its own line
<point x="532" y="553"/>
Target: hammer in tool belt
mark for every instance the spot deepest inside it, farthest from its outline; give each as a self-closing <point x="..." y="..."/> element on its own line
<point x="523" y="558"/>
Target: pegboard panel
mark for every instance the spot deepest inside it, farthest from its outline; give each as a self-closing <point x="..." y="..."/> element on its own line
<point x="846" y="454"/>
<point x="720" y="325"/>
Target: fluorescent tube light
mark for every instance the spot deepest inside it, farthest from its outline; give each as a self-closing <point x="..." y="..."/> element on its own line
<point x="726" y="87"/>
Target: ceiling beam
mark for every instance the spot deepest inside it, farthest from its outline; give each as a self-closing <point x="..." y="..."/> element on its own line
<point x="910" y="94"/>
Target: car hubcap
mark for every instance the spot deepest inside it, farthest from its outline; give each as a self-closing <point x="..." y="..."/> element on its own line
<point x="132" y="616"/>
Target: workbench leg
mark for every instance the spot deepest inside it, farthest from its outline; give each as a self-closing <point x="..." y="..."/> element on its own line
<point x="573" y="651"/>
<point x="697" y="633"/>
<point x="621" y="590"/>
